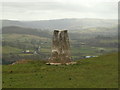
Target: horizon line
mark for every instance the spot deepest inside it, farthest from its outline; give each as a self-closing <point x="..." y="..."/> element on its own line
<point x="55" y="19"/>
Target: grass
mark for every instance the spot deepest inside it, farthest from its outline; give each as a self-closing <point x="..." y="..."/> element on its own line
<point x="108" y="41"/>
<point x="8" y="49"/>
<point x="21" y="37"/>
<point x="98" y="72"/>
<point x="25" y="54"/>
<point x="26" y="40"/>
<point x="46" y="50"/>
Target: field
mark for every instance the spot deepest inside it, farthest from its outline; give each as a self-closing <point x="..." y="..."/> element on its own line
<point x="14" y="44"/>
<point x="97" y="72"/>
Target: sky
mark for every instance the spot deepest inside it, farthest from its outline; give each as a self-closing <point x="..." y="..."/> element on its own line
<point x="58" y="9"/>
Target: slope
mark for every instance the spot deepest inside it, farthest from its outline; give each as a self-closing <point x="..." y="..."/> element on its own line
<point x="98" y="72"/>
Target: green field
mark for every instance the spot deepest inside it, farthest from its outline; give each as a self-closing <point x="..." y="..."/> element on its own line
<point x="8" y="49"/>
<point x="98" y="72"/>
<point x="14" y="43"/>
<point x="21" y="37"/>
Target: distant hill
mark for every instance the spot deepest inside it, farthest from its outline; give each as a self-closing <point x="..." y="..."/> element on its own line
<point x="23" y="30"/>
<point x="46" y="33"/>
<point x="70" y="24"/>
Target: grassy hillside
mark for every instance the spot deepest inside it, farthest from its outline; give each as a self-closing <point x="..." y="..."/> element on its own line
<point x="7" y="50"/>
<point x="88" y="73"/>
<point x="16" y="40"/>
<point x="22" y="30"/>
<point x="22" y="37"/>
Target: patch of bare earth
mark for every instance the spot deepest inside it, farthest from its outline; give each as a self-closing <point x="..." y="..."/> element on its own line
<point x="21" y="62"/>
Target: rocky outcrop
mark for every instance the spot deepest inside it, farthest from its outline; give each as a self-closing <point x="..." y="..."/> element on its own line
<point x="60" y="47"/>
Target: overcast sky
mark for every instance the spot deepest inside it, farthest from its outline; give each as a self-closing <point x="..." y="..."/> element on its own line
<point x="57" y="9"/>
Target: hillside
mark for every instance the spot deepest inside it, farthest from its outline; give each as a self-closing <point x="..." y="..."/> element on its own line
<point x="94" y="37"/>
<point x="70" y="24"/>
<point x="17" y="39"/>
<point x="23" y="30"/>
<point x="98" y="72"/>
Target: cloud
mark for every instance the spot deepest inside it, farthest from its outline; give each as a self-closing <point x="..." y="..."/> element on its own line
<point x="56" y="9"/>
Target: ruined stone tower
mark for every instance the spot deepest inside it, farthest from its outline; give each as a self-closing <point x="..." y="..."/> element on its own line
<point x="60" y="47"/>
